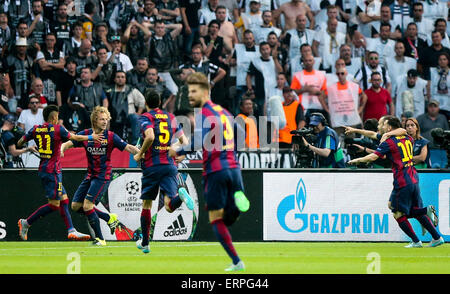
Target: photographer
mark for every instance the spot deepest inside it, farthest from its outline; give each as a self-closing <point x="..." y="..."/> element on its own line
<point x="8" y="139"/>
<point x="328" y="153"/>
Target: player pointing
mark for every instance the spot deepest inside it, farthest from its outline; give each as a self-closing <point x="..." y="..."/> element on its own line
<point x="159" y="173"/>
<point x="405" y="200"/>
<point x="49" y="137"/>
<point x="222" y="179"/>
<point x="98" y="178"/>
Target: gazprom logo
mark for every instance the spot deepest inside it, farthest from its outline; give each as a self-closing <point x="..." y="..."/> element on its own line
<point x="293" y="219"/>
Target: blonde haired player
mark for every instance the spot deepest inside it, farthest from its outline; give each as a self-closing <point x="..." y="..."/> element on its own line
<point x="98" y="177"/>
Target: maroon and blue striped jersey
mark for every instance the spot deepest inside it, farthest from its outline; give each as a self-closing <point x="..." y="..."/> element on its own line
<point x="399" y="150"/>
<point x="48" y="138"/>
<point x="166" y="129"/>
<point x="217" y="138"/>
<point x="99" y="154"/>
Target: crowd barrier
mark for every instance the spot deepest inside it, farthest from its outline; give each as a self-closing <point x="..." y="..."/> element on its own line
<point x="286" y="205"/>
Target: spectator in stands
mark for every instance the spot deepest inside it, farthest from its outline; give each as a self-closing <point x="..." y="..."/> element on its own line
<point x="214" y="73"/>
<point x="372" y="65"/>
<point x="74" y="117"/>
<point x="326" y="44"/>
<point x="428" y="121"/>
<point x="243" y="54"/>
<point x="8" y="141"/>
<point x="440" y="25"/>
<point x="352" y="64"/>
<point x="84" y="56"/>
<point x="124" y="12"/>
<point x="6" y="33"/>
<point x="189" y="14"/>
<point x="278" y="52"/>
<point x="413" y="44"/>
<point x="163" y="48"/>
<point x="421" y="155"/>
<point x="227" y="31"/>
<point x="87" y="20"/>
<point x="332" y="12"/>
<point x="51" y="63"/>
<point x="399" y="64"/>
<point x="66" y="81"/>
<point x="401" y="11"/>
<point x="101" y="36"/>
<point x="91" y="94"/>
<point x="358" y="45"/>
<point x="440" y="83"/>
<point x="153" y="81"/>
<point x="17" y="10"/>
<point x="267" y="27"/>
<point x="429" y="57"/>
<point x="310" y="85"/>
<point x="213" y="46"/>
<point x="296" y="37"/>
<point x="424" y="25"/>
<point x="378" y="99"/>
<point x="21" y="68"/>
<point x="182" y="105"/>
<point x="383" y="45"/>
<point x="61" y="26"/>
<point x="367" y="13"/>
<point x="169" y="11"/>
<point x="6" y="93"/>
<point x="121" y="60"/>
<point x="297" y="64"/>
<point x="105" y="69"/>
<point x="386" y="17"/>
<point x="70" y="47"/>
<point x="126" y="104"/>
<point x="295" y="119"/>
<point x="248" y="121"/>
<point x="37" y="89"/>
<point x="250" y="20"/>
<point x="149" y="14"/>
<point x="136" y="38"/>
<point x="38" y="25"/>
<point x="290" y="11"/>
<point x="136" y="76"/>
<point x="206" y="15"/>
<point x="410" y="94"/>
<point x="264" y="70"/>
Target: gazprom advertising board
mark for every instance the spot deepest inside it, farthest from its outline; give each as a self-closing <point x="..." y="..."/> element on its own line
<point x="343" y="206"/>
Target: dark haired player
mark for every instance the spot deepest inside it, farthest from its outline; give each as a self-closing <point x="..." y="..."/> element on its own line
<point x="98" y="178"/>
<point x="49" y="137"/>
<point x="159" y="172"/>
<point x="405" y="200"/>
<point x="222" y="179"/>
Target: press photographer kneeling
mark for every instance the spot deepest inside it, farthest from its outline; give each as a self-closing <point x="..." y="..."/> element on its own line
<point x="326" y="149"/>
<point x="9" y="135"/>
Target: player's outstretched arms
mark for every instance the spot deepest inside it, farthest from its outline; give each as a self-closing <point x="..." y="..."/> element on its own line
<point x="366" y="159"/>
<point x="365" y="133"/>
<point x="94" y="137"/>
<point x="393" y="133"/>
<point x="65" y="146"/>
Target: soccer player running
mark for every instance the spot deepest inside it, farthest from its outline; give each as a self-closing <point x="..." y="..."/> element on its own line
<point x="98" y="177"/>
<point x="49" y="137"/>
<point x="222" y="179"/>
<point x="159" y="129"/>
<point x="405" y="200"/>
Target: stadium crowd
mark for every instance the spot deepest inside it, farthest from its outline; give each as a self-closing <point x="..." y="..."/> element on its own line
<point x="352" y="61"/>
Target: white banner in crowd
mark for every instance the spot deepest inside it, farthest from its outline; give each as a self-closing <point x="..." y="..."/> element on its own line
<point x="329" y="207"/>
<point x="124" y="199"/>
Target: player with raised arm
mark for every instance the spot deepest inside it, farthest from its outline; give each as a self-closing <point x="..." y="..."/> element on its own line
<point x="49" y="137"/>
<point x="159" y="130"/>
<point x="222" y="179"/>
<point x="98" y="177"/>
<point x="405" y="200"/>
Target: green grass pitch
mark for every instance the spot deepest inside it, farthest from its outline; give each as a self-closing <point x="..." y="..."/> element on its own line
<point x="209" y="258"/>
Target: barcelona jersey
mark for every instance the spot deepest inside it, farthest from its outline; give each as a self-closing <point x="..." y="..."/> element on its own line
<point x="216" y="137"/>
<point x="48" y="138"/>
<point x="165" y="128"/>
<point x="99" y="154"/>
<point x="399" y="150"/>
